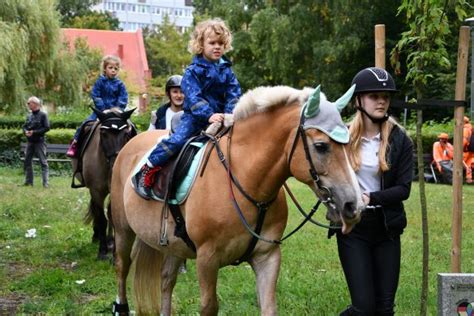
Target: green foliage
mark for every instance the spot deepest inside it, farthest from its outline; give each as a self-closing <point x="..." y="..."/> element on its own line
<point x="33" y="61"/>
<point x="96" y="21"/>
<point x="301" y="43"/>
<point x="69" y="9"/>
<point x="426" y="42"/>
<point x="40" y="272"/>
<point x="166" y="51"/>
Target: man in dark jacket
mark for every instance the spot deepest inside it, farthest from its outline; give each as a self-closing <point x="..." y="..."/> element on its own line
<point x="35" y="127"/>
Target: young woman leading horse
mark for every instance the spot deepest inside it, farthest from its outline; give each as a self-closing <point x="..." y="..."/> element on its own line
<point x="274" y="137"/>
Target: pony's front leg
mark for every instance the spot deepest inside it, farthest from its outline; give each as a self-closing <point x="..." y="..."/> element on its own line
<point x="207" y="269"/>
<point x="169" y="275"/>
<point x="267" y="267"/>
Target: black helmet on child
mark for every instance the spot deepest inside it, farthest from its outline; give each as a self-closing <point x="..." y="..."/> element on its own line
<point x="373" y="79"/>
<point x="173" y="82"/>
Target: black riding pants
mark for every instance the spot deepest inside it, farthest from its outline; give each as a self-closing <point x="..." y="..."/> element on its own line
<point x="371" y="263"/>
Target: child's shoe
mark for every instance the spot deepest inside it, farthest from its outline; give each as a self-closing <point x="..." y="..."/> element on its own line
<point x="72" y="150"/>
<point x="143" y="181"/>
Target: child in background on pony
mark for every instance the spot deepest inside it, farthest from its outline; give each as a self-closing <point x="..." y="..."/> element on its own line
<point x="210" y="88"/>
<point x="382" y="156"/>
<point x="108" y="92"/>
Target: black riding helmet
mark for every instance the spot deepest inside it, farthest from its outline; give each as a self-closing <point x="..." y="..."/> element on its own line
<point x="373" y="79"/>
<point x="173" y="82"/>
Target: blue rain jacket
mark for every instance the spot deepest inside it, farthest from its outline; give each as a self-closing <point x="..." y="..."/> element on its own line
<point x="208" y="88"/>
<point x="108" y="93"/>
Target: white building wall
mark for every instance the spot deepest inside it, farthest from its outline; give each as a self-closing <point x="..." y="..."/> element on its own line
<point x="135" y="14"/>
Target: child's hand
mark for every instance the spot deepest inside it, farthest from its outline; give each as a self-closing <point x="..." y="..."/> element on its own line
<point x="216" y="117"/>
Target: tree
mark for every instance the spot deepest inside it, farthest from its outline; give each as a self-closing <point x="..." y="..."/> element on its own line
<point x="68" y="9"/>
<point x="95" y="20"/>
<point x="78" y="14"/>
<point x="33" y="59"/>
<point x="166" y="51"/>
<point x="301" y="43"/>
<point x="424" y="43"/>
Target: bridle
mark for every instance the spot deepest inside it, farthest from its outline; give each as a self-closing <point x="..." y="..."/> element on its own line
<point x="112" y="125"/>
<point x="323" y="193"/>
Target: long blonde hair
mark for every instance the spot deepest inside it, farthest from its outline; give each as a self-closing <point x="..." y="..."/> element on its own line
<point x="356" y="130"/>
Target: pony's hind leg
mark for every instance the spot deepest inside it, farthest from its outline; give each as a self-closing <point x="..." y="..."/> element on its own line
<point x="267" y="267"/>
<point x="169" y="275"/>
<point x="99" y="222"/>
<point x="123" y="247"/>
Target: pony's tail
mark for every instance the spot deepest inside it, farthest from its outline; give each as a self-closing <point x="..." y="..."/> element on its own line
<point x="147" y="279"/>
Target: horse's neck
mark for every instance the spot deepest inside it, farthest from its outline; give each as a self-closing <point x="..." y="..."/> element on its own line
<point x="259" y="149"/>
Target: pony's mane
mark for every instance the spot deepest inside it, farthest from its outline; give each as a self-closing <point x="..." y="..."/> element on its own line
<point x="262" y="99"/>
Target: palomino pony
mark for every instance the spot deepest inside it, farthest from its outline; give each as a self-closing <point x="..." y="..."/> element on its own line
<point x="274" y="137"/>
<point x="109" y="134"/>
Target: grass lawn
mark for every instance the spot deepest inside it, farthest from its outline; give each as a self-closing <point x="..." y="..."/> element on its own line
<point x="57" y="273"/>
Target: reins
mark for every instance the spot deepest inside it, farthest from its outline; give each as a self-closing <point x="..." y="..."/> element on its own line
<point x="323" y="193"/>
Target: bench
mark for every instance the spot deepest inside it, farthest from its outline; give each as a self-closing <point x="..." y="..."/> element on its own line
<point x="59" y="149"/>
<point x="430" y="172"/>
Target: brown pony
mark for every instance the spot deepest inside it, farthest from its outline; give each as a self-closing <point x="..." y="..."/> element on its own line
<point x="109" y="134"/>
<point x="273" y="138"/>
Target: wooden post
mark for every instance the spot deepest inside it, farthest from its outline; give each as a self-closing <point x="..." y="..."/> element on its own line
<point x="380" y="46"/>
<point x="461" y="75"/>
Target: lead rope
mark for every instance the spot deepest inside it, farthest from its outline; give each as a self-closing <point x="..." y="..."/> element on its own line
<point x="308" y="217"/>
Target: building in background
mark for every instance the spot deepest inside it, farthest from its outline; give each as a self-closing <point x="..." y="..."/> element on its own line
<point x="138" y="14"/>
<point x="129" y="46"/>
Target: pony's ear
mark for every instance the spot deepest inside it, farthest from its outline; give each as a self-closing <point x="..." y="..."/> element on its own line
<point x="99" y="114"/>
<point x="312" y="105"/>
<point x="342" y="102"/>
<point x="126" y="115"/>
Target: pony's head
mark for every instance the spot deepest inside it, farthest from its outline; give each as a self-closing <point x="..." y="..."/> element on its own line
<point x="327" y="170"/>
<point x="115" y="131"/>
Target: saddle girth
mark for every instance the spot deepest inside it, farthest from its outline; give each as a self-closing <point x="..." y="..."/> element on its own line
<point x="82" y="150"/>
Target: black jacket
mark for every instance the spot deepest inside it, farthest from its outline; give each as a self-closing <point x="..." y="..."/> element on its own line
<point x="396" y="182"/>
<point x="39" y="124"/>
<point x="161" y="116"/>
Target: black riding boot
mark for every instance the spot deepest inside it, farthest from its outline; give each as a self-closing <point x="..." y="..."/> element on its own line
<point x="351" y="311"/>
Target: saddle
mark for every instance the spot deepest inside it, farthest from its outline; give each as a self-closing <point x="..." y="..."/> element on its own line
<point x="83" y="141"/>
<point x="173" y="173"/>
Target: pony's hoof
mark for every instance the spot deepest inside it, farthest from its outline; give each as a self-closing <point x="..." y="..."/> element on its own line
<point x="120" y="309"/>
<point x="102" y="256"/>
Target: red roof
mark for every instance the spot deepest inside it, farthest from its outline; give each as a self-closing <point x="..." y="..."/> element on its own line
<point x="129" y="46"/>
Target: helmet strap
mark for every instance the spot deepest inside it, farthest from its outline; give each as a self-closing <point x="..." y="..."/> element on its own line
<point x="376" y="120"/>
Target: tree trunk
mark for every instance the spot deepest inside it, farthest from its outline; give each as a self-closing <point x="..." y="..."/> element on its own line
<point x="424" y="213"/>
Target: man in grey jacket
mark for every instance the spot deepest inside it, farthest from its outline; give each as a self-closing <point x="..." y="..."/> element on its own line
<point x="35" y="128"/>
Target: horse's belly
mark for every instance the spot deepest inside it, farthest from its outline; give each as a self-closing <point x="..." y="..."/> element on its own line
<point x="144" y="218"/>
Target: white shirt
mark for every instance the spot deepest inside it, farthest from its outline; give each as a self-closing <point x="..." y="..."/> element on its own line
<point x="368" y="175"/>
<point x="169" y="115"/>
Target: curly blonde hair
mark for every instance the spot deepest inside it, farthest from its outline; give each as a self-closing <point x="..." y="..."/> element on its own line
<point x="109" y="59"/>
<point x="202" y="31"/>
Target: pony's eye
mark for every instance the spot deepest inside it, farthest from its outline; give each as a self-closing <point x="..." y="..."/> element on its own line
<point x="321" y="147"/>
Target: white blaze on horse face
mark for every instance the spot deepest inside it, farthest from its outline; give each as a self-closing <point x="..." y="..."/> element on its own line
<point x="347" y="228"/>
<point x="355" y="183"/>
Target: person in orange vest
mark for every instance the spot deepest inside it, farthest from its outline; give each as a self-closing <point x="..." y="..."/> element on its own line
<point x="468" y="148"/>
<point x="443" y="157"/>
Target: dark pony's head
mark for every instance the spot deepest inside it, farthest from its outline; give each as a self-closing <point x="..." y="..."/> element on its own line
<point x="115" y="131"/>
